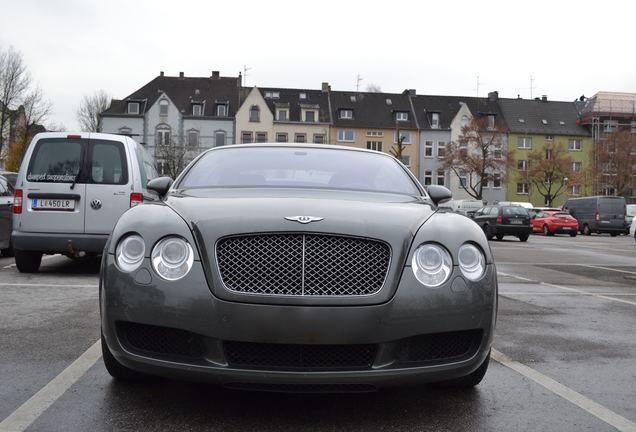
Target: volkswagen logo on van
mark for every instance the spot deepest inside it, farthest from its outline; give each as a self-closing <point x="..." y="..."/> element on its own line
<point x="96" y="204"/>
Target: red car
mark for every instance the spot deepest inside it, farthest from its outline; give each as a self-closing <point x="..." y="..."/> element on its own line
<point x="555" y="222"/>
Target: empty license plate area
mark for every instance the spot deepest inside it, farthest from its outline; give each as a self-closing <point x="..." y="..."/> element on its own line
<point x="38" y="204"/>
<point x="515" y="221"/>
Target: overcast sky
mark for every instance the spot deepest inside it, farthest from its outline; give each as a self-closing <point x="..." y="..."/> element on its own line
<point x="74" y="47"/>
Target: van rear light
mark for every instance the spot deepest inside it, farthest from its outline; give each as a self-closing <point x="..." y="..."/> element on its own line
<point x="499" y="220"/>
<point x="597" y="217"/>
<point x="17" y="202"/>
<point x="136" y="198"/>
<point x="73" y="136"/>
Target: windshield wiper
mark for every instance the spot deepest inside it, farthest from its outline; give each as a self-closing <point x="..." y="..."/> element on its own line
<point x="75" y="180"/>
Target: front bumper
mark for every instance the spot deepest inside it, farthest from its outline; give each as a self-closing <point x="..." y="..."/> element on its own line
<point x="188" y="305"/>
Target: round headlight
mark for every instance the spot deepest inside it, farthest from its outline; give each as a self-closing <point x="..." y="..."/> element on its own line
<point x="172" y="258"/>
<point x="432" y="265"/>
<point x="472" y="262"/>
<point x="130" y="253"/>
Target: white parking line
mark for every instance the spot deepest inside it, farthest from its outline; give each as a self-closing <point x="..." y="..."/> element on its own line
<point x="29" y="411"/>
<point x="597" y="410"/>
<point x="45" y="257"/>
<point x="606" y="268"/>
<point x="539" y="293"/>
<point x="18" y="284"/>
<point x="602" y="296"/>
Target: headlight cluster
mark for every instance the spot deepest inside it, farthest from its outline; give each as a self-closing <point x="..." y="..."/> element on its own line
<point x="171" y="258"/>
<point x="432" y="264"/>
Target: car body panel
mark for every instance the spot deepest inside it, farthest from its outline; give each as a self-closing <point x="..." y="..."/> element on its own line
<point x="555" y="225"/>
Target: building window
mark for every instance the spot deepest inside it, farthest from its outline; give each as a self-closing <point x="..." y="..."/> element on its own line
<point x="574" y="144"/>
<point x="346" y="114"/>
<point x="522" y="165"/>
<point x="464" y="121"/>
<point x="163" y="136"/>
<point x="577" y="166"/>
<point x="281" y="137"/>
<point x="221" y="110"/>
<point x="133" y="107"/>
<point x="406" y="137"/>
<point x="497" y="153"/>
<point x="196" y="110"/>
<point x="491" y="122"/>
<point x="346" y="135"/>
<point x="374" y="145"/>
<point x="441" y="178"/>
<point x="300" y="138"/>
<point x="246" y="137"/>
<point x="548" y="154"/>
<point x="441" y="149"/>
<point x="219" y="139"/>
<point x="463" y="179"/>
<point x="496" y="180"/>
<point x="524" y="143"/>
<point x="319" y="138"/>
<point x="261" y="137"/>
<point x="406" y="160"/>
<point x="610" y="126"/>
<point x="435" y="120"/>
<point x="255" y="113"/>
<point x="633" y="127"/>
<point x="310" y="116"/>
<point x="428" y="149"/>
<point x="163" y="107"/>
<point x="193" y="138"/>
<point x="272" y="95"/>
<point x="576" y="190"/>
<point x="428" y="177"/>
<point x="281" y="115"/>
<point x="401" y="116"/>
<point x="375" y="134"/>
<point x="522" y="188"/>
<point x="302" y="96"/>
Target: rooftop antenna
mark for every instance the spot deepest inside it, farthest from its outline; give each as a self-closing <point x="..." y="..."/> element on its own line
<point x="358" y="81"/>
<point x="245" y="69"/>
<point x="477" y="88"/>
<point x="531" y="85"/>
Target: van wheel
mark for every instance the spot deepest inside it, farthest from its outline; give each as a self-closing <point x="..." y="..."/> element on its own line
<point x="613" y="234"/>
<point x="489" y="235"/>
<point x="27" y="261"/>
<point x="587" y="230"/>
<point x="500" y="237"/>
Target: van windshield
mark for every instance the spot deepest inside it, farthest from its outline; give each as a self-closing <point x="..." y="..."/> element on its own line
<point x="55" y="161"/>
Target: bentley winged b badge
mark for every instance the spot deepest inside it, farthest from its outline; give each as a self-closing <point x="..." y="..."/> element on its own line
<point x="304" y="219"/>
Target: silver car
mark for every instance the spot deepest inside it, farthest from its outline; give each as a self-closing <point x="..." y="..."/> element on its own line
<point x="297" y="268"/>
<point x="70" y="191"/>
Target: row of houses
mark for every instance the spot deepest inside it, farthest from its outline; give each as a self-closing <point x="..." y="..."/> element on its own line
<point x="197" y="113"/>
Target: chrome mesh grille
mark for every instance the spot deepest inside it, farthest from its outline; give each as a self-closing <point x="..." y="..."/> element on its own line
<point x="302" y="264"/>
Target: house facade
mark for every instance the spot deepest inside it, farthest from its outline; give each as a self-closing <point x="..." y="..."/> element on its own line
<point x="540" y="124"/>
<point x="373" y="120"/>
<point x="284" y="115"/>
<point x="171" y="115"/>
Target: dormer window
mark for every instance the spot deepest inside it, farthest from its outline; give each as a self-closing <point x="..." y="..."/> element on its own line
<point x="255" y="113"/>
<point x="544" y="121"/>
<point x="302" y="96"/>
<point x="522" y="120"/>
<point x="282" y="115"/>
<point x="272" y="95"/>
<point x="163" y="107"/>
<point x="196" y="110"/>
<point x="435" y="120"/>
<point x="401" y="116"/>
<point x="133" y="107"/>
<point x="346" y="114"/>
<point x="389" y="102"/>
<point x="310" y="116"/>
<point x="352" y="98"/>
<point x="221" y="110"/>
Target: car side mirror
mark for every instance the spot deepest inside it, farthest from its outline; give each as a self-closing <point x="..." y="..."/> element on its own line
<point x="439" y="194"/>
<point x="160" y="185"/>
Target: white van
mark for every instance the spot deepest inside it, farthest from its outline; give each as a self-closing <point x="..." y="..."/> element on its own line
<point x="523" y="204"/>
<point x="70" y="191"/>
<point x="467" y="207"/>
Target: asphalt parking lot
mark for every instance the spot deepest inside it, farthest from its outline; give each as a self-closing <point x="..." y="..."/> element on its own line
<point x="564" y="355"/>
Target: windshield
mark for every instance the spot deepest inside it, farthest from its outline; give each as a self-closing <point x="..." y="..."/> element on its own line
<point x="298" y="167"/>
<point x="562" y="215"/>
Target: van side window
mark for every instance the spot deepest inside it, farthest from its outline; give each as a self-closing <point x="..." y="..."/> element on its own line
<point x="55" y="161"/>
<point x="108" y="163"/>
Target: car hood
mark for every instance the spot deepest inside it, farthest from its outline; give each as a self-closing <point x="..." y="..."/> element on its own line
<point x="216" y="213"/>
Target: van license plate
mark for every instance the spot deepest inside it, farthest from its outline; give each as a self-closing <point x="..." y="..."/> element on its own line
<point x="53" y="204"/>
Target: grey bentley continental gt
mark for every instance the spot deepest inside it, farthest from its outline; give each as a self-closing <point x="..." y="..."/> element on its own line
<point x="288" y="267"/>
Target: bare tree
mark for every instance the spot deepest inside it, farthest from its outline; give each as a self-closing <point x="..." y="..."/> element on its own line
<point x="614" y="159"/>
<point x="14" y="83"/>
<point x="477" y="156"/>
<point x="374" y="88"/>
<point x="174" y="158"/>
<point x="36" y="108"/>
<point x="550" y="171"/>
<point x="398" y="148"/>
<point x="90" y="109"/>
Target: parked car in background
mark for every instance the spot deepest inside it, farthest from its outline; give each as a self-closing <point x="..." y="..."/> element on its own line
<point x="630" y="215"/>
<point x="523" y="204"/>
<point x="70" y="191"/>
<point x="6" y="204"/>
<point x="290" y="267"/>
<point x="507" y="220"/>
<point x="535" y="210"/>
<point x="10" y="176"/>
<point x="554" y="222"/>
<point x="598" y="214"/>
<point x="466" y="207"/>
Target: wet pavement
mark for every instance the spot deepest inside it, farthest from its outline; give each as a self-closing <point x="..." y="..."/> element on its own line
<point x="565" y="343"/>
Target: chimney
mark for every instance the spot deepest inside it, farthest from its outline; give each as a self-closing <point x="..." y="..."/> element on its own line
<point x="493" y="96"/>
<point x="180" y="74"/>
<point x="161" y="73"/>
<point x="239" y="81"/>
<point x="544" y="98"/>
<point x="326" y="87"/>
<point x="410" y="92"/>
<point x="215" y="74"/>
